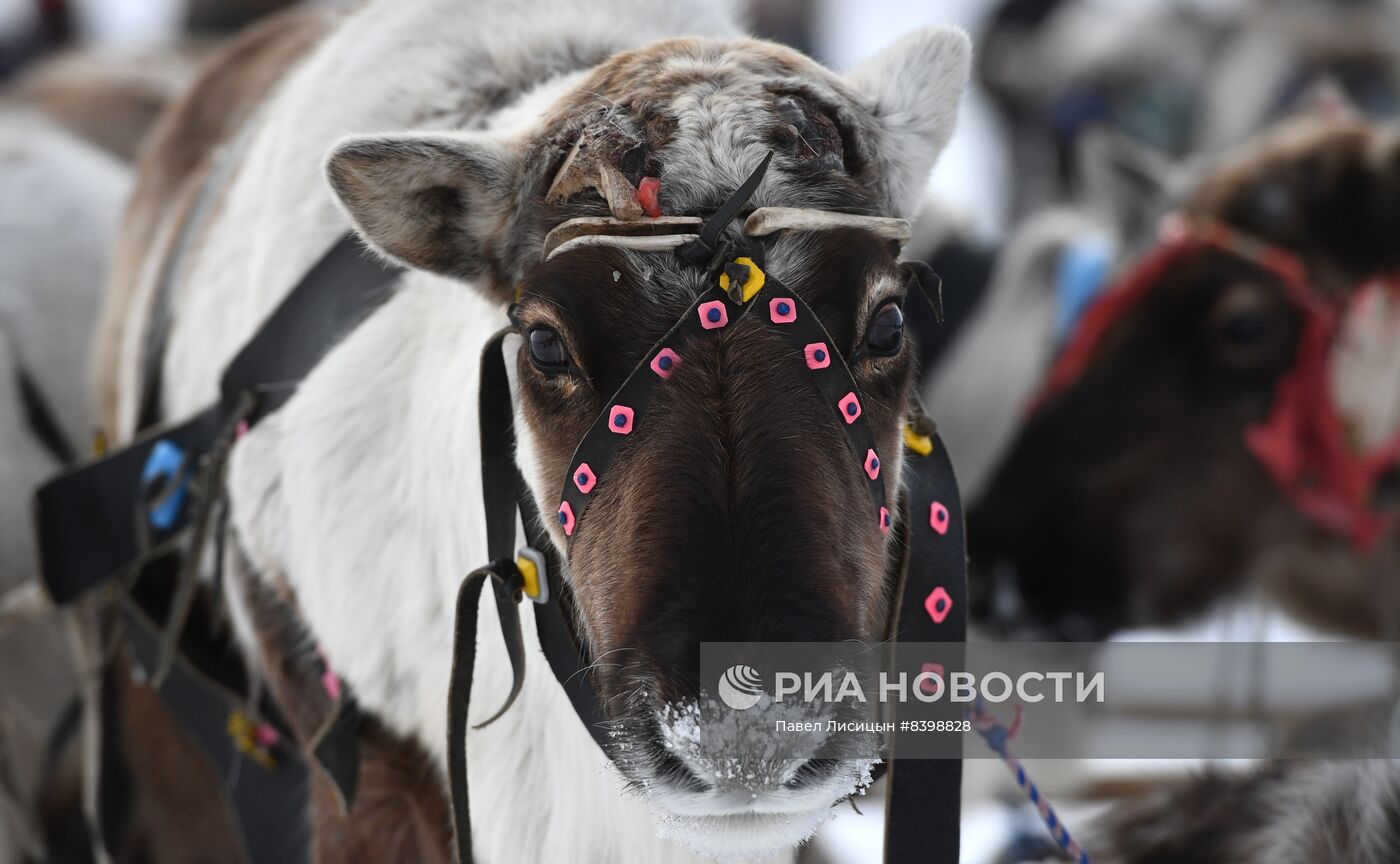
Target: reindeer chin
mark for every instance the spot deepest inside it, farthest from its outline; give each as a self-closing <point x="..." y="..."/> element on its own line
<point x="729" y="795"/>
<point x="741" y="837"/>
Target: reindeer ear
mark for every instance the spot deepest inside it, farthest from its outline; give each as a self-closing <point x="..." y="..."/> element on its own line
<point x="913" y="87"/>
<point x="438" y="202"/>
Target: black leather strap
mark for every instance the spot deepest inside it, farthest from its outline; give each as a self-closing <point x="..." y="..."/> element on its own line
<point x="504" y="493"/>
<point x="93" y="524"/>
<point x="459" y="694"/>
<point x="270" y="793"/>
<point x="922" y="821"/>
<point x="88" y="518"/>
<point x="702" y="250"/>
<point x="39" y="416"/>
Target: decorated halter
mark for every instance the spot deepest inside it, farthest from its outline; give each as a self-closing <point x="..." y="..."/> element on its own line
<point x="931" y="595"/>
<point x="1305" y="444"/>
<point x="741" y="288"/>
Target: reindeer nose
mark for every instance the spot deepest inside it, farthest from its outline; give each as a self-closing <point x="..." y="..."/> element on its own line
<point x="727" y="742"/>
<point x="732" y="760"/>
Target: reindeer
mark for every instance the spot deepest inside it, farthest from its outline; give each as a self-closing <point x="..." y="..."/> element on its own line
<point x="455" y="136"/>
<point x="1143" y="486"/>
<point x="1147" y="481"/>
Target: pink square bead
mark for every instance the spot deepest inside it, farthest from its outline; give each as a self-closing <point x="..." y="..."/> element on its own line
<point x="566" y="519"/>
<point x="620" y="419"/>
<point x="938" y="604"/>
<point x="266" y="736"/>
<point x="665" y="362"/>
<point x="713" y="315"/>
<point x="782" y="310"/>
<point x="938" y="517"/>
<point x="885" y="520"/>
<point x="584" y="478"/>
<point x="936" y="670"/>
<point x="850" y="408"/>
<point x="872" y="464"/>
<point x="818" y="355"/>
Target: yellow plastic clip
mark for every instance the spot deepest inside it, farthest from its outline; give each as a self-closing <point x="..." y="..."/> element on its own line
<point x="243" y="733"/>
<point x="530" y="575"/>
<point x="921" y="444"/>
<point x="752" y="285"/>
<point x="533" y="568"/>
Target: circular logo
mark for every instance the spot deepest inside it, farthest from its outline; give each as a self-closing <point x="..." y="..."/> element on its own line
<point x="740" y="687"/>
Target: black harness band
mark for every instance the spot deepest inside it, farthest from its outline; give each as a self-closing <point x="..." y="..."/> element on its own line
<point x="923" y="822"/>
<point x="271" y="794"/>
<point x="83" y="515"/>
<point x="95" y="527"/>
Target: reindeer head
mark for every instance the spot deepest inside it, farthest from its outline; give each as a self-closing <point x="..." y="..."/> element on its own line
<point x="1141" y="491"/>
<point x="735" y="512"/>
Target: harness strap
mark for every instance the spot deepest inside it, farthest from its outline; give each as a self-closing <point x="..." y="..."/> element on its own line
<point x="505" y="493"/>
<point x="270" y="792"/>
<point x="702" y="250"/>
<point x="86" y="517"/>
<point x="923" y="821"/>
<point x="504" y="573"/>
<point x="40" y="417"/>
<point x="97" y="525"/>
<point x="498" y="485"/>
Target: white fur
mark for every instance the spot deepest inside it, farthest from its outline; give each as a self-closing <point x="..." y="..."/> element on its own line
<point x="363" y="492"/>
<point x="914" y="87"/>
<point x="60" y="201"/>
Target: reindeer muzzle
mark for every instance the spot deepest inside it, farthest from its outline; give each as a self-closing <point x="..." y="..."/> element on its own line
<point x="1332" y="435"/>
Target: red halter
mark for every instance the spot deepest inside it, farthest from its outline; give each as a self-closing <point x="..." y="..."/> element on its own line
<point x="1304" y="443"/>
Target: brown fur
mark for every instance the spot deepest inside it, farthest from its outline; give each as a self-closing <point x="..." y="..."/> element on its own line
<point x="401" y="812"/>
<point x="109" y="100"/>
<point x="178" y="813"/>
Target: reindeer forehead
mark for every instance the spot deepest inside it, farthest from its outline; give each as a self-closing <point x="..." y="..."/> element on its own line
<point x="697" y="114"/>
<point x="671" y="69"/>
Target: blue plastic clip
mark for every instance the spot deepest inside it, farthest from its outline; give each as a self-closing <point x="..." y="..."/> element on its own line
<point x="164" y="466"/>
<point x="1080" y="276"/>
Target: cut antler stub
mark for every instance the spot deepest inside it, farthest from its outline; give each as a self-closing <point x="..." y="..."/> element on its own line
<point x="593" y="163"/>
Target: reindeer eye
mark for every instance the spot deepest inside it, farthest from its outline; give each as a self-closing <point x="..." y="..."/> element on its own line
<point x="547" y="350"/>
<point x="886" y="332"/>
<point x="1249" y="327"/>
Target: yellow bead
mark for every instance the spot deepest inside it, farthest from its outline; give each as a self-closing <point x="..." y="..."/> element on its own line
<point x="241" y="733"/>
